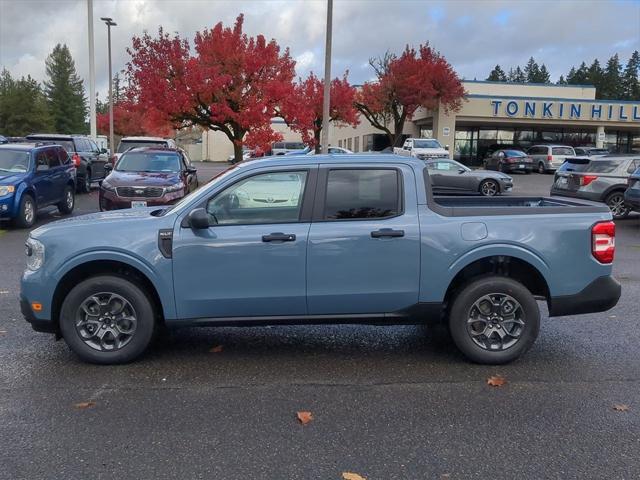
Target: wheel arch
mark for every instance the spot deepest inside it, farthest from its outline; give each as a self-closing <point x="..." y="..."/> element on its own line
<point x="525" y="270"/>
<point x="93" y="268"/>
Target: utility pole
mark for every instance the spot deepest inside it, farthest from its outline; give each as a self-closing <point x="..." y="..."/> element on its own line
<point x="110" y="23"/>
<point x="92" y="73"/>
<point x="327" y="81"/>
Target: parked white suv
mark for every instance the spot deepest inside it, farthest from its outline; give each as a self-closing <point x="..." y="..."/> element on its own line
<point x="422" y="148"/>
<point x="548" y="158"/>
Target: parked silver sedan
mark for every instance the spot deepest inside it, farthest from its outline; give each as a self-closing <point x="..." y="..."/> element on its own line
<point x="451" y="177"/>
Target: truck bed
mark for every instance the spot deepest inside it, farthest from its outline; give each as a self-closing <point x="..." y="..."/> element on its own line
<point x="506" y="205"/>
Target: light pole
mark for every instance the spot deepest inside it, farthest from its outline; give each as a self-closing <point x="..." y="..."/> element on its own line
<point x="92" y="72"/>
<point x="110" y="23"/>
<point x="327" y="81"/>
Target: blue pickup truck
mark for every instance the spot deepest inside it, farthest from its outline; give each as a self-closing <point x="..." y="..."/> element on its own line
<point x="321" y="239"/>
<point x="33" y="176"/>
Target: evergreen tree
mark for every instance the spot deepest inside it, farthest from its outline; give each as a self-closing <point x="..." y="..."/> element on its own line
<point x="65" y="92"/>
<point x="532" y="71"/>
<point x="516" y="76"/>
<point x="630" y="81"/>
<point x="561" y="80"/>
<point x="612" y="87"/>
<point x="595" y="77"/>
<point x="543" y="75"/>
<point x="497" y="75"/>
<point x="23" y="107"/>
<point x="579" y="76"/>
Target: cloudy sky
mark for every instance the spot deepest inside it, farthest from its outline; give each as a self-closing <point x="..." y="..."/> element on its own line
<point x="473" y="35"/>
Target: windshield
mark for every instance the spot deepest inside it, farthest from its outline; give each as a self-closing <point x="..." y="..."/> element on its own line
<point x="127" y="144"/>
<point x="149" y="162"/>
<point x="426" y="144"/>
<point x="13" y="161"/>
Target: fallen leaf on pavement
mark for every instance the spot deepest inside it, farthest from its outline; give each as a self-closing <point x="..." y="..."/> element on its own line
<point x="352" y="476"/>
<point x="83" y="405"/>
<point x="216" y="349"/>
<point x="621" y="407"/>
<point x="496" y="380"/>
<point x="305" y="417"/>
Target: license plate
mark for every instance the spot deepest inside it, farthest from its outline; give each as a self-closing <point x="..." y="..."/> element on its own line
<point x="563" y="182"/>
<point x="522" y="165"/>
<point x="138" y="204"/>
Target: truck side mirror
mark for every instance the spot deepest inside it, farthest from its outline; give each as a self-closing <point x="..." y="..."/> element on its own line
<point x="42" y="168"/>
<point x="198" y="219"/>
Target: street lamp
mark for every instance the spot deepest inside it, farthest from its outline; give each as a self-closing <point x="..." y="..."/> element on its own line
<point x="110" y="23"/>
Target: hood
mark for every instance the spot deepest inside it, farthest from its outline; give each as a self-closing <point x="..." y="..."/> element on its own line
<point x="143" y="179"/>
<point x="98" y="219"/>
<point x="10" y="178"/>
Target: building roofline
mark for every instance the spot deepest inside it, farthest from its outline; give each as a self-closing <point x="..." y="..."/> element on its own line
<point x="524" y="84"/>
<point x="577" y="100"/>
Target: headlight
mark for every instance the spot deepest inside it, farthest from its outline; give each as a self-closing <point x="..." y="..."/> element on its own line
<point x="175" y="188"/>
<point x="6" y="190"/>
<point x="107" y="186"/>
<point x="35" y="254"/>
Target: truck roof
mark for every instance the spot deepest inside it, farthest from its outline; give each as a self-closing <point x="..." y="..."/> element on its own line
<point x="342" y="158"/>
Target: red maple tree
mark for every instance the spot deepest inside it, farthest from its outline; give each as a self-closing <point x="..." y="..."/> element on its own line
<point x="131" y="119"/>
<point x="232" y="83"/>
<point x="417" y="78"/>
<point x="303" y="110"/>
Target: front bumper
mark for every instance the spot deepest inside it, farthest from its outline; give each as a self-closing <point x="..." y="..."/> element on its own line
<point x="38" y="324"/>
<point x="111" y="201"/>
<point x="632" y="199"/>
<point x="7" y="207"/>
<point x="599" y="296"/>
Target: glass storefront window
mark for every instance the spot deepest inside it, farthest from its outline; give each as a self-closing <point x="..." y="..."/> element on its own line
<point x="505" y="136"/>
<point x="487" y="134"/>
<point x="426" y="133"/>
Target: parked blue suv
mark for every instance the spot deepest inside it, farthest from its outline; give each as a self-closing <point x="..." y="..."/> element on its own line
<point x="33" y="176"/>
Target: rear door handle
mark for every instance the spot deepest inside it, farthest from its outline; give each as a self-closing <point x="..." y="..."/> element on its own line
<point x="279" y="237"/>
<point x="387" y="232"/>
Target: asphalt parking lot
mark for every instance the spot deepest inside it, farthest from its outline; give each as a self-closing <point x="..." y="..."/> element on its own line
<point x="388" y="402"/>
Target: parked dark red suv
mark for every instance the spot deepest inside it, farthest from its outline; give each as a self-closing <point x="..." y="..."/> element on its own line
<point x="148" y="176"/>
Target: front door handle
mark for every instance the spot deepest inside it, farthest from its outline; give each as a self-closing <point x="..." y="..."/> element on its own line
<point x="279" y="237"/>
<point x="387" y="232"/>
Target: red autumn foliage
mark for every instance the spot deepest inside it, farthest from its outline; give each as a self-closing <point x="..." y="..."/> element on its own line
<point x="303" y="110"/>
<point x="232" y="83"/>
<point x="417" y="78"/>
<point x="129" y="119"/>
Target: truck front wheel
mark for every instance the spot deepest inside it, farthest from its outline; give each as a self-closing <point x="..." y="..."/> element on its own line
<point x="494" y="320"/>
<point x="107" y="319"/>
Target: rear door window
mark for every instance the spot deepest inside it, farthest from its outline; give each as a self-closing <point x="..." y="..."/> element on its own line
<point x="53" y="160"/>
<point x="634" y="165"/>
<point x="362" y="194"/>
<point x="562" y="151"/>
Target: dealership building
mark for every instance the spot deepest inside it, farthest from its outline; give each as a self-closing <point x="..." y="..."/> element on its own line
<point x="495" y="113"/>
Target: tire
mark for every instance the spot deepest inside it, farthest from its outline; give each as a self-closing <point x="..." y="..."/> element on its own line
<point x="541" y="168"/>
<point x="27" y="212"/>
<point x="104" y="294"/>
<point x="615" y="202"/>
<point x="68" y="201"/>
<point x="473" y="299"/>
<point x="489" y="188"/>
<point x="85" y="185"/>
<point x="501" y="168"/>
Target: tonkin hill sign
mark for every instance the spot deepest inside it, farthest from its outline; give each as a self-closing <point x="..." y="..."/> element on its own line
<point x="566" y="109"/>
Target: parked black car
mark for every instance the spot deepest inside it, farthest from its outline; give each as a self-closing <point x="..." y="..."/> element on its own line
<point x="450" y="177"/>
<point x="600" y="179"/>
<point x="632" y="194"/>
<point x="88" y="159"/>
<point x="509" y="160"/>
<point x="590" y="151"/>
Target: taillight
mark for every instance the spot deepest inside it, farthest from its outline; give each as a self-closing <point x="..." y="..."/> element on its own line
<point x="76" y="160"/>
<point x="587" y="179"/>
<point x="603" y="241"/>
<point x="549" y="158"/>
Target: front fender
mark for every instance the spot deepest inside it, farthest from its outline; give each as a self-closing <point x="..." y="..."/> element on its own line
<point x="163" y="287"/>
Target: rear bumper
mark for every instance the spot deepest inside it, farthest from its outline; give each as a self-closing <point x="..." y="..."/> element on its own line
<point x="599" y="296"/>
<point x="593" y="196"/>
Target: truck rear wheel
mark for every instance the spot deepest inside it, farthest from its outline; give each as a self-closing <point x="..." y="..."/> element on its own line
<point x="107" y="320"/>
<point x="494" y="320"/>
